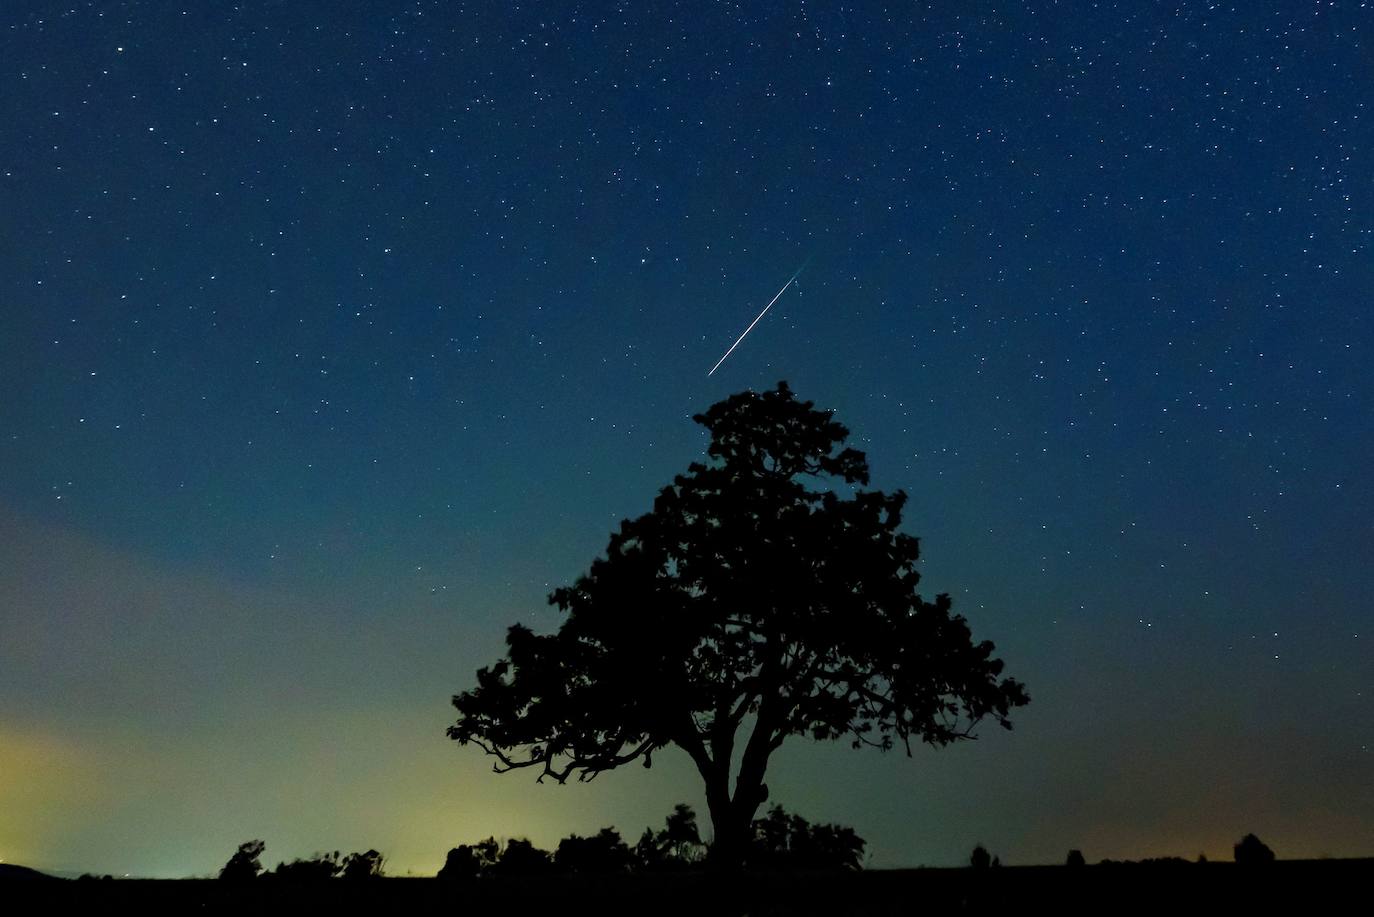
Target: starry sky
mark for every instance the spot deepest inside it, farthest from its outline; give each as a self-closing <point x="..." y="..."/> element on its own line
<point x="333" y="336"/>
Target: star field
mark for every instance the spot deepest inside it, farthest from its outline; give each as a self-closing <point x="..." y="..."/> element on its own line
<point x="334" y="336"/>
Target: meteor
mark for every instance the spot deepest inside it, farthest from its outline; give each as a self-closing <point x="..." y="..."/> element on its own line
<point x="760" y="315"/>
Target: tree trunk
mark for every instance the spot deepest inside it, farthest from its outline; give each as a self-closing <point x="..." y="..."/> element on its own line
<point x="732" y="821"/>
<point x="730" y="844"/>
<point x="727" y="843"/>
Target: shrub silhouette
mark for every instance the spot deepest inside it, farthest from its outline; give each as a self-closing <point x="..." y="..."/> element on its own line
<point x="1075" y="858"/>
<point x="783" y="841"/>
<point x="470" y="862"/>
<point x="748" y="599"/>
<point x="602" y="853"/>
<point x="521" y="858"/>
<point x="1252" y="851"/>
<point x="980" y="859"/>
<point x="320" y="866"/>
<point x="328" y="865"/>
<point x="362" y="865"/>
<point x="677" y="846"/>
<point x="244" y="864"/>
<point x="460" y="864"/>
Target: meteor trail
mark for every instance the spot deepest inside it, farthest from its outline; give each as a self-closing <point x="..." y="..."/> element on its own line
<point x="760" y="315"/>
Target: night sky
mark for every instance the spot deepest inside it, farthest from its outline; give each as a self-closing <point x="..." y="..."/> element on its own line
<point x="333" y="336"/>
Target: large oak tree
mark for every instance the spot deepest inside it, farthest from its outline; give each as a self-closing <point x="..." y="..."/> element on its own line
<point x="766" y="595"/>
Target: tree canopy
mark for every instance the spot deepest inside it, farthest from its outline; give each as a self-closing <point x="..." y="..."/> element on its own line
<point x="788" y="841"/>
<point x="245" y="863"/>
<point x="1251" y="850"/>
<point x="767" y="594"/>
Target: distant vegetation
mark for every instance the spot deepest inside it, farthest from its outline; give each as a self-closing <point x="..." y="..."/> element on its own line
<point x="1251" y="850"/>
<point x="779" y="841"/>
<point x="668" y="874"/>
<point x="246" y="864"/>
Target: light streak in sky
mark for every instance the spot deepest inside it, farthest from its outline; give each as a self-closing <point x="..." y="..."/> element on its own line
<point x="760" y="315"/>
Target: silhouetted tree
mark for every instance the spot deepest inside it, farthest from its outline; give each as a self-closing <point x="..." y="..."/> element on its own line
<point x="1075" y="858"/>
<point x="677" y="845"/>
<point x="603" y="852"/>
<point x="460" y="864"/>
<point x="980" y="858"/>
<point x="470" y="862"/>
<point x="320" y="866"/>
<point x="244" y="864"/>
<point x="521" y="858"/>
<point x="745" y="600"/>
<point x="1253" y="851"/>
<point x="362" y="865"/>
<point x="783" y="841"/>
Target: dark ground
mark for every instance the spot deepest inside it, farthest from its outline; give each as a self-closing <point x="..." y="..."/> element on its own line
<point x="1296" y="886"/>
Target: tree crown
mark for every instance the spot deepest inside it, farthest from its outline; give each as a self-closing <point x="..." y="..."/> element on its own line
<point x="749" y="593"/>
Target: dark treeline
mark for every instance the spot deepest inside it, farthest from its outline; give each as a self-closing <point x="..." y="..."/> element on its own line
<point x="246" y="864"/>
<point x="663" y="874"/>
<point x="780" y="841"/>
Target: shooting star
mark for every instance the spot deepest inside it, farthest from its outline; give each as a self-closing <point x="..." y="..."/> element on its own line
<point x="760" y="315"/>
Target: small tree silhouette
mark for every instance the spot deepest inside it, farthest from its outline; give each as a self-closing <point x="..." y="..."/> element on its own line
<point x="362" y="865"/>
<point x="980" y="859"/>
<point x="460" y="864"/>
<point x="320" y="866"/>
<point x="1075" y="858"/>
<point x="244" y="864"/>
<point x="521" y="858"/>
<point x="1252" y="851"/>
<point x="783" y="841"/>
<point x="678" y="845"/>
<point x="467" y="862"/>
<point x="602" y="853"/>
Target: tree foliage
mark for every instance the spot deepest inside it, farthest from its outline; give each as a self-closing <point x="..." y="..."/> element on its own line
<point x="320" y="866"/>
<point x="327" y="866"/>
<point x="362" y="865"/>
<point x="1252" y="851"/>
<point x="604" y="853"/>
<point x="754" y="602"/>
<point x="245" y="863"/>
<point x="677" y="846"/>
<point x="517" y="857"/>
<point x="790" y="842"/>
<point x="980" y="858"/>
<point x="466" y="862"/>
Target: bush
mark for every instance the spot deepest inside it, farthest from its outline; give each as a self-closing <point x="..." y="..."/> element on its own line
<point x="244" y="864"/>
<point x="320" y="866"/>
<point x="1253" y="851"/>
<point x="980" y="858"/>
<point x="362" y="865"/>
<point x="603" y="853"/>
<point x="783" y="841"/>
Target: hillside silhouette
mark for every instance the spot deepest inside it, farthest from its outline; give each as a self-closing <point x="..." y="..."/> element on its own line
<point x="10" y="871"/>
